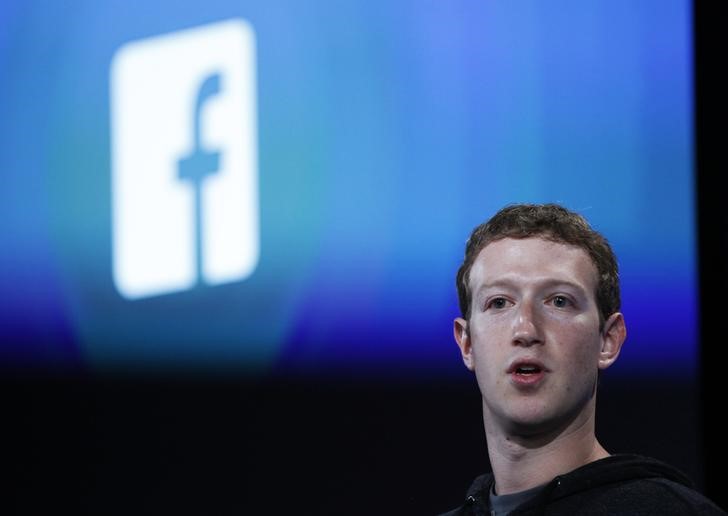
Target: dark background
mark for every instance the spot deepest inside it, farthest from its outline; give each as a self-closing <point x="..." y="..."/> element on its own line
<point x="200" y="445"/>
<point x="711" y="141"/>
<point x="174" y="446"/>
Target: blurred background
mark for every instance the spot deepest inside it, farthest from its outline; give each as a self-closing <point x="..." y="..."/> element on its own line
<point x="325" y="380"/>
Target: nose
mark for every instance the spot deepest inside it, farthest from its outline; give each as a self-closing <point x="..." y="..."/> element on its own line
<point x="526" y="327"/>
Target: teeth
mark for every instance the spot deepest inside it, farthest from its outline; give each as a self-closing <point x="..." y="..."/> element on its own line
<point x="527" y="369"/>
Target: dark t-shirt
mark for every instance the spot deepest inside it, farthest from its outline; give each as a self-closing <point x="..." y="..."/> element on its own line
<point x="502" y="505"/>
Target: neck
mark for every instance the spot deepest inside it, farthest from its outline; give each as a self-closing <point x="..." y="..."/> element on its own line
<point x="521" y="461"/>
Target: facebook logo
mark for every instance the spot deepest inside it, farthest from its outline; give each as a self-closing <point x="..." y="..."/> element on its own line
<point x="184" y="160"/>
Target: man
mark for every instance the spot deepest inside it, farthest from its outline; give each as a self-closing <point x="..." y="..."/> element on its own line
<point x="539" y="297"/>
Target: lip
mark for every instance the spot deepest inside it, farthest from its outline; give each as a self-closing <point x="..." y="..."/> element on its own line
<point x="525" y="361"/>
<point x="526" y="380"/>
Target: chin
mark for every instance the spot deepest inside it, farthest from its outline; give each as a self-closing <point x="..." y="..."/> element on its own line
<point x="529" y="428"/>
<point x="530" y="424"/>
<point x="531" y="421"/>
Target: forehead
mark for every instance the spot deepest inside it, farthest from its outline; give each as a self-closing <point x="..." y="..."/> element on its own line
<point x="533" y="259"/>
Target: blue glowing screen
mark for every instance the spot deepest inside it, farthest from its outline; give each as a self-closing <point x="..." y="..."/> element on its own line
<point x="338" y="155"/>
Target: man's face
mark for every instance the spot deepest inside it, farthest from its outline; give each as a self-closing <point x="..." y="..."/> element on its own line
<point x="533" y="337"/>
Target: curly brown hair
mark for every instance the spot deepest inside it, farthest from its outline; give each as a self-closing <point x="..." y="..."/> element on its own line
<point x="550" y="222"/>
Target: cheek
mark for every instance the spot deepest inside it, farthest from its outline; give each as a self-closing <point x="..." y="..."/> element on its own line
<point x="583" y="345"/>
<point x="488" y="354"/>
<point x="485" y="340"/>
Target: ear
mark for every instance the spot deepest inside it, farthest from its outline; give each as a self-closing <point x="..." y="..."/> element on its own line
<point x="613" y="336"/>
<point x="462" y="337"/>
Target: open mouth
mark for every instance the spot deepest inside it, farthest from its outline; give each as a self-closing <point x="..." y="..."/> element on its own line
<point x="527" y="372"/>
<point x="527" y="369"/>
<point x="527" y="375"/>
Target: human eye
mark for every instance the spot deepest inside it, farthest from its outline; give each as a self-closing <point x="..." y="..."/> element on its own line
<point x="560" y="301"/>
<point x="497" y="303"/>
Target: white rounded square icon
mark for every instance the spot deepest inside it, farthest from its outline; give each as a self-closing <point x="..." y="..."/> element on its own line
<point x="184" y="160"/>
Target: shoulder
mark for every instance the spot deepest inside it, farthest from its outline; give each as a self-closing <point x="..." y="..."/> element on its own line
<point x="618" y="485"/>
<point x="650" y="496"/>
<point x="622" y="484"/>
<point x="637" y="496"/>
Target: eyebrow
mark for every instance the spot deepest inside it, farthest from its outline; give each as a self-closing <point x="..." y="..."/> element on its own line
<point x="507" y="284"/>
